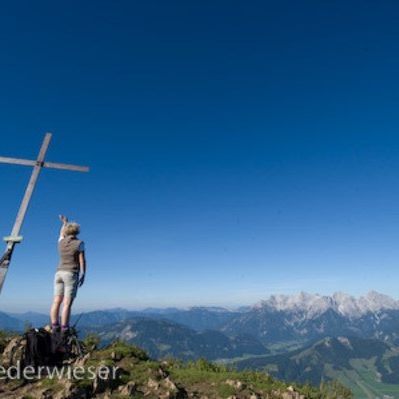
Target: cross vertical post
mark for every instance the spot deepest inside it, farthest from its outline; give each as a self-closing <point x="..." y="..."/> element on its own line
<point x="38" y="165"/>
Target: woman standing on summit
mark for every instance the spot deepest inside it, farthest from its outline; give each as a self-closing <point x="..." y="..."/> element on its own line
<point x="70" y="274"/>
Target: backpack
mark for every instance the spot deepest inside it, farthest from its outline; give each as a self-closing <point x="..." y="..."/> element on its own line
<point x="39" y="349"/>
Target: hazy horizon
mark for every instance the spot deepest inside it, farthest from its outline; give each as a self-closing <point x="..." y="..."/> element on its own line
<point x="226" y="305"/>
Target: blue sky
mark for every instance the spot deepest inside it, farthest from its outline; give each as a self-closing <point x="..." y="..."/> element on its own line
<point x="238" y="149"/>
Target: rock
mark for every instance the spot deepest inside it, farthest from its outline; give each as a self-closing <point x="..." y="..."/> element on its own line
<point x="116" y="356"/>
<point x="47" y="328"/>
<point x="129" y="389"/>
<point x="152" y="384"/>
<point x="236" y="384"/>
<point x="166" y="395"/>
<point x="165" y="389"/>
<point x="291" y="394"/>
<point x="100" y="384"/>
<point x="169" y="384"/>
<point x="105" y="395"/>
<point x="172" y="390"/>
<point x="13" y="352"/>
<point x="171" y="395"/>
<point x="162" y="373"/>
<point x="46" y="394"/>
<point x="70" y="391"/>
<point x="182" y="394"/>
<point x="82" y="361"/>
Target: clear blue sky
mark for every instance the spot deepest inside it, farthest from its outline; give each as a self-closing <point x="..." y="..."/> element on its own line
<point x="238" y="149"/>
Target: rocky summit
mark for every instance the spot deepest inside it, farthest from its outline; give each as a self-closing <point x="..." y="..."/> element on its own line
<point x="122" y="371"/>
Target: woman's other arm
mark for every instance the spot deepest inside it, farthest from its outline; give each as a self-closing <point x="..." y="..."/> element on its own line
<point x="82" y="264"/>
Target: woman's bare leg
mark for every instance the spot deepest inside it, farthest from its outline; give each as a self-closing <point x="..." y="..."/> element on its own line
<point x="66" y="310"/>
<point x="55" y="309"/>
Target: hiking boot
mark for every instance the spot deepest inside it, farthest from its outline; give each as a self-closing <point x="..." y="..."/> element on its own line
<point x="55" y="329"/>
<point x="65" y="331"/>
<point x="65" y="334"/>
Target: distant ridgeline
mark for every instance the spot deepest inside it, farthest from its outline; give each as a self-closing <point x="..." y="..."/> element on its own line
<point x="339" y="336"/>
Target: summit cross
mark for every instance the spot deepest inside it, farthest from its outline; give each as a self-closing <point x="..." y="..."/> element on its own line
<point x="37" y="165"/>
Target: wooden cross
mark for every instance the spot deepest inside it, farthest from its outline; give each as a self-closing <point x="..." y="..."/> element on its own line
<point x="40" y="163"/>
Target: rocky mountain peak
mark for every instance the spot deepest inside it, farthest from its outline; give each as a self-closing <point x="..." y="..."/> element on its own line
<point x="342" y="303"/>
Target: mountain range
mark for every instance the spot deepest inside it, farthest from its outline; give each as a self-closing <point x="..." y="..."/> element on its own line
<point x="277" y="322"/>
<point x="303" y="337"/>
<point x="313" y="305"/>
<point x="164" y="338"/>
<point x="305" y="318"/>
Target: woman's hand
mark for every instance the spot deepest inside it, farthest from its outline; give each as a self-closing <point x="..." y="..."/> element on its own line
<point x="63" y="219"/>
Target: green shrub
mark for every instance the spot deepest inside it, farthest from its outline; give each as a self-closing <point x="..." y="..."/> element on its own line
<point x="205" y="365"/>
<point x="92" y="340"/>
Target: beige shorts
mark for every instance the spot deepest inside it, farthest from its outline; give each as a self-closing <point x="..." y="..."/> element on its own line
<point x="66" y="283"/>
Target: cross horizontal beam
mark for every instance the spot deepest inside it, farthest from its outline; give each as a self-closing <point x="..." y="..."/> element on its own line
<point x="50" y="165"/>
<point x="37" y="165"/>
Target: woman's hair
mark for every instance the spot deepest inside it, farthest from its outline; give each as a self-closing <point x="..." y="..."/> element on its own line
<point x="72" y="229"/>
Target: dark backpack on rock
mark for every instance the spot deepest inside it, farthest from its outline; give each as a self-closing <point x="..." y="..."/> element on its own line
<point x="39" y="348"/>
